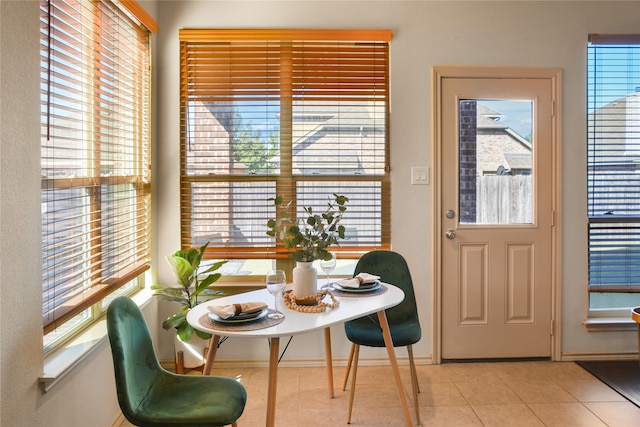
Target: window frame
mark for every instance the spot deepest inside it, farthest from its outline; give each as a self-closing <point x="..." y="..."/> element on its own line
<point x="611" y="220"/>
<point x="67" y="111"/>
<point x="286" y="180"/>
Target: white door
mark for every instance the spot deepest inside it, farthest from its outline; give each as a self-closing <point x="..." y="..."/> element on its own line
<point x="496" y="217"/>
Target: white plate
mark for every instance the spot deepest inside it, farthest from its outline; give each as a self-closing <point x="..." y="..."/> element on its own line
<point x="347" y="289"/>
<point x="241" y="318"/>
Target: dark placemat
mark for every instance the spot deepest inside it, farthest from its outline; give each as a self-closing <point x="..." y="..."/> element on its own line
<point x="621" y="375"/>
<point x="265" y="322"/>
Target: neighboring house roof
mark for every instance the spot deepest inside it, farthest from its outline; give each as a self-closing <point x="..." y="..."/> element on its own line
<point x="488" y="118"/>
<point x="313" y="122"/>
<point x="319" y="134"/>
<point x="518" y="161"/>
<point x="615" y="125"/>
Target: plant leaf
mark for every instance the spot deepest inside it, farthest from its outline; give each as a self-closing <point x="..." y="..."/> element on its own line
<point x="175" y="321"/>
<point x="203" y="335"/>
<point x="207" y="281"/>
<point x="214" y="267"/>
<point x="185" y="331"/>
<point x="182" y="268"/>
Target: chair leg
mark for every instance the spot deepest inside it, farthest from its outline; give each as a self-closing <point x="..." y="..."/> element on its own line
<point x="346" y="372"/>
<point x="414" y="372"/>
<point x="414" y="382"/>
<point x="356" y="355"/>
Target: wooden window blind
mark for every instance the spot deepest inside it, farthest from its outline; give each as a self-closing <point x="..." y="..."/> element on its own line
<point x="613" y="142"/>
<point x="95" y="159"/>
<point x="303" y="113"/>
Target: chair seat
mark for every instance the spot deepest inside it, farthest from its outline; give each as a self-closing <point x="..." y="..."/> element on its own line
<point x="366" y="331"/>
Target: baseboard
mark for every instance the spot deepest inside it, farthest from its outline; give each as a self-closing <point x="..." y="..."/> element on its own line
<point x="119" y="420"/>
<point x="576" y="356"/>
<point x="308" y="363"/>
<point x="383" y="361"/>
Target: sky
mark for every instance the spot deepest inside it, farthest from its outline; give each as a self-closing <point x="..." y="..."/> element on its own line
<point x="516" y="114"/>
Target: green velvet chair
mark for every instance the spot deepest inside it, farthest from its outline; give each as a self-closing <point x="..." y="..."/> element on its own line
<point x="403" y="318"/>
<point x="149" y="395"/>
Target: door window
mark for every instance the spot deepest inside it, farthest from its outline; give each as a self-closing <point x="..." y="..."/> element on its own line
<point x="496" y="161"/>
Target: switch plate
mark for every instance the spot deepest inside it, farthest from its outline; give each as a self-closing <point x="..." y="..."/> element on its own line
<point x="420" y="175"/>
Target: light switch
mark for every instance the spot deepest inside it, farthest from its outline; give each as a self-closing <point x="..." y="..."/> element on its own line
<point x="420" y="175"/>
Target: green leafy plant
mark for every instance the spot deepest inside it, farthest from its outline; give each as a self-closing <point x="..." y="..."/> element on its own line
<point x="191" y="283"/>
<point x="311" y="237"/>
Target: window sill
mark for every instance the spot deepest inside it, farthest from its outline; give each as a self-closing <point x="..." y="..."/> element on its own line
<point x="62" y="361"/>
<point x="602" y="324"/>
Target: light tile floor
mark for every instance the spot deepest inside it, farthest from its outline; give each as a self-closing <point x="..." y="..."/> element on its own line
<point x="509" y="394"/>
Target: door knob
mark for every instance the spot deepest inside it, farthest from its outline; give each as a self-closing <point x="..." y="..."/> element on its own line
<point x="450" y="234"/>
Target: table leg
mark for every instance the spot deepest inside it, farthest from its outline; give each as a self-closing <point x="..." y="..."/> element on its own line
<point x="328" y="357"/>
<point x="211" y="355"/>
<point x="273" y="381"/>
<point x="388" y="342"/>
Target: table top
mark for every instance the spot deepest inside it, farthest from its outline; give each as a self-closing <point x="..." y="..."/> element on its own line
<point x="351" y="307"/>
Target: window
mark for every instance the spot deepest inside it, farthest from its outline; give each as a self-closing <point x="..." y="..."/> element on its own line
<point x="95" y="94"/>
<point x="265" y="112"/>
<point x="613" y="138"/>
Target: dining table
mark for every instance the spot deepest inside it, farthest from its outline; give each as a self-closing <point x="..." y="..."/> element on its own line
<point x="352" y="305"/>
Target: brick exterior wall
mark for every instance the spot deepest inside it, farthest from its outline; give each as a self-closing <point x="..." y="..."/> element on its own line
<point x="468" y="159"/>
<point x="494" y="144"/>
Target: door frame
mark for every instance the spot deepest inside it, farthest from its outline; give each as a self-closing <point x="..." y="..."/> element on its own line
<point x="439" y="73"/>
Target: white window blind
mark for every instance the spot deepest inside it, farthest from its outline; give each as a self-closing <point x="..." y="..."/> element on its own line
<point x="294" y="112"/>
<point x="613" y="103"/>
<point x="95" y="160"/>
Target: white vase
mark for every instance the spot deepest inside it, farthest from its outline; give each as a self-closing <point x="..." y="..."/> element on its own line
<point x="193" y="351"/>
<point x="305" y="279"/>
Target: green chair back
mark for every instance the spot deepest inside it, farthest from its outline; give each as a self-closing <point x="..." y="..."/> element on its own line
<point x="134" y="359"/>
<point x="403" y="318"/>
<point x="151" y="396"/>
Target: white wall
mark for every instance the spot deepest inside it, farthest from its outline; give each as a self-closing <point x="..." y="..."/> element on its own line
<point x="426" y="33"/>
<point x="20" y="296"/>
<point x="86" y="396"/>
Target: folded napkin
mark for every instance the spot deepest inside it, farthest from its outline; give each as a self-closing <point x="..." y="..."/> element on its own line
<point x="360" y="279"/>
<point x="227" y="311"/>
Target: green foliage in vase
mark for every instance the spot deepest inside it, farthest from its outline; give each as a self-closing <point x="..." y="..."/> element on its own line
<point x="308" y="239"/>
<point x="191" y="283"/>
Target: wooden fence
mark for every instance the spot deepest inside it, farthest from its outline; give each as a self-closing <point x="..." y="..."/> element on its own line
<point x="504" y="199"/>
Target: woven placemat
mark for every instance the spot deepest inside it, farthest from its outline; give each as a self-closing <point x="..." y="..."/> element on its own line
<point x="265" y="322"/>
<point x="381" y="290"/>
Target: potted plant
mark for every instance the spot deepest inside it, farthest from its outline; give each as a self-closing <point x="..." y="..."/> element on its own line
<point x="308" y="238"/>
<point x="191" y="283"/>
